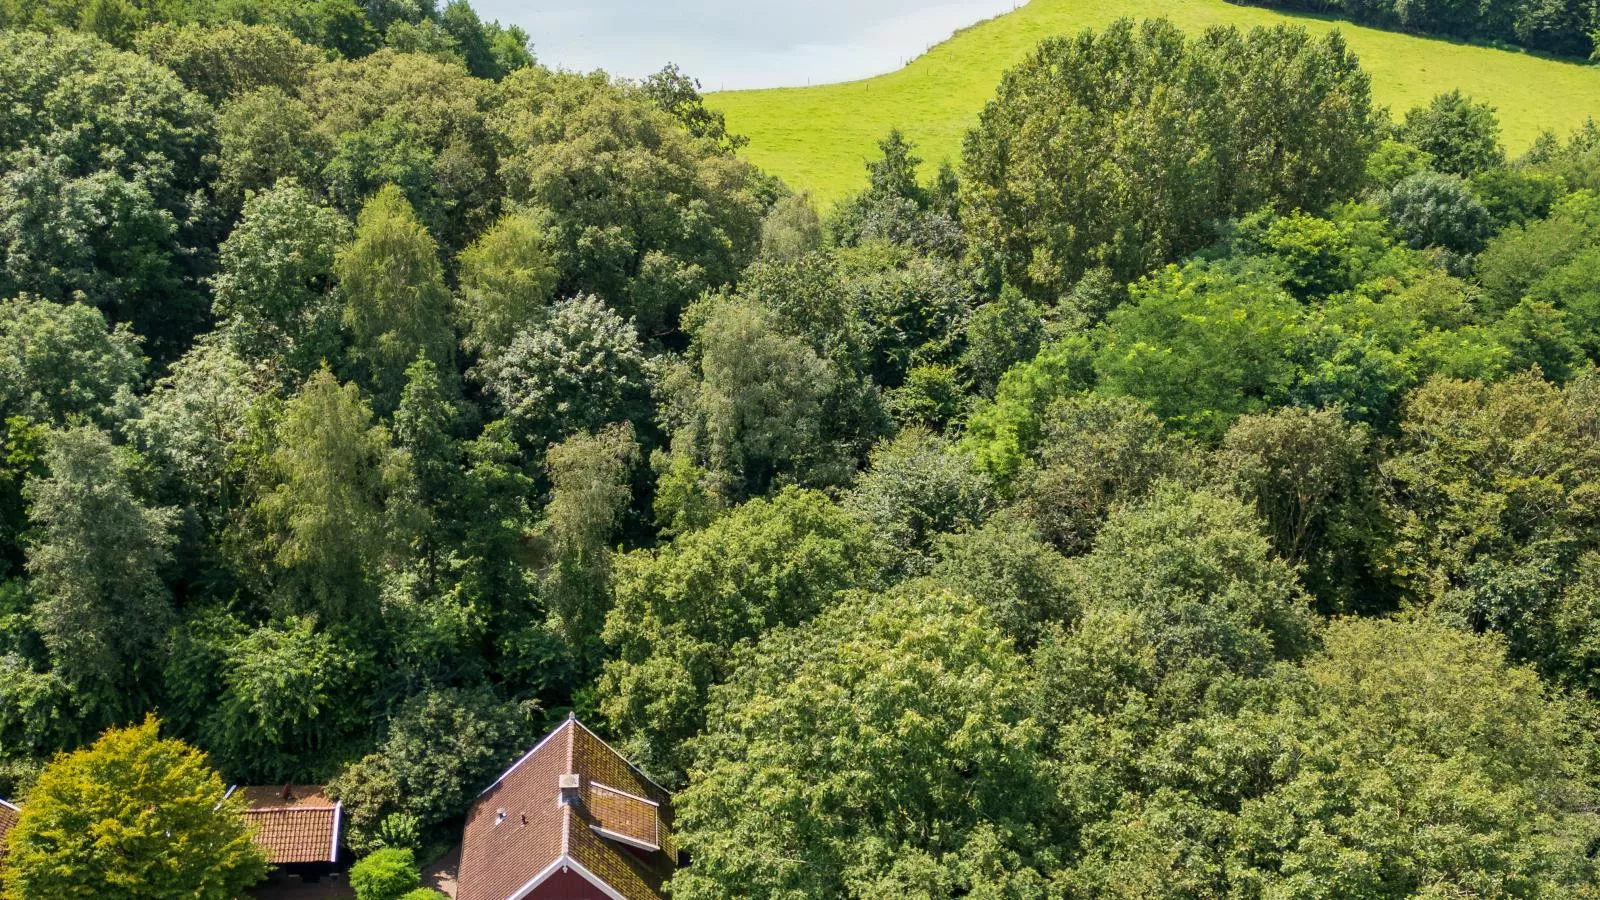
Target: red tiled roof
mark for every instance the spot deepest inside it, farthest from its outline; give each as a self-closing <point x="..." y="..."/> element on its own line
<point x="8" y="821"/>
<point x="616" y="829"/>
<point x="294" y="823"/>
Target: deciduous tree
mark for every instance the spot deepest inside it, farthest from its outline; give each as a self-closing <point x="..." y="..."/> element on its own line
<point x="396" y="302"/>
<point x="136" y="816"/>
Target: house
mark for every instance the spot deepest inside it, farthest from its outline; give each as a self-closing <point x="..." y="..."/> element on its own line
<point x="571" y="820"/>
<point x="296" y="824"/>
<point x="8" y="821"/>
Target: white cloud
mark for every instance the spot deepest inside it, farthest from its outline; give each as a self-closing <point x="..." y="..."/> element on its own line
<point x="731" y="44"/>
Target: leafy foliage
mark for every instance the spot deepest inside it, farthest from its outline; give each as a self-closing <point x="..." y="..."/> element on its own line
<point x="94" y="558"/>
<point x="388" y="874"/>
<point x="396" y="304"/>
<point x="575" y="369"/>
<point x="994" y="528"/>
<point x="883" y="750"/>
<point x="131" y="815"/>
<point x="682" y="612"/>
<point x="1209" y="131"/>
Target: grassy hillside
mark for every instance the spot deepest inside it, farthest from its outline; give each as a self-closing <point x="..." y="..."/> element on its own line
<point x="818" y="137"/>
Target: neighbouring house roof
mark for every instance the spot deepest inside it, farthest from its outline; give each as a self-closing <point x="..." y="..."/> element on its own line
<point x="8" y="821"/>
<point x="295" y="823"/>
<point x="571" y="805"/>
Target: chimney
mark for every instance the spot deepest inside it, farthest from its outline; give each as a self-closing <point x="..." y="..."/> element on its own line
<point x="570" y="783"/>
<point x="288" y="792"/>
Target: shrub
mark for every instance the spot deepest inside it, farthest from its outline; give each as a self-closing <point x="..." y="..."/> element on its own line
<point x="389" y="874"/>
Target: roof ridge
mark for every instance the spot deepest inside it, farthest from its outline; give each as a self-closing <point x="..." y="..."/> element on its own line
<point x="628" y="762"/>
<point x="525" y="757"/>
<point x="566" y="808"/>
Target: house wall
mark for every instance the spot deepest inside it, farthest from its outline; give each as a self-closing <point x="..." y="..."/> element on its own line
<point x="567" y="885"/>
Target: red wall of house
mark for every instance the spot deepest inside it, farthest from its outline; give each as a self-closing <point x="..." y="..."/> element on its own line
<point x="567" y="885"/>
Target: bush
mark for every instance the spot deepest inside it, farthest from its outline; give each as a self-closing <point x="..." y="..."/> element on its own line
<point x="389" y="874"/>
<point x="1434" y="210"/>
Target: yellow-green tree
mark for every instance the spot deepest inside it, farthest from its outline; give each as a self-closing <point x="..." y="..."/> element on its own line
<point x="396" y="302"/>
<point x="131" y="816"/>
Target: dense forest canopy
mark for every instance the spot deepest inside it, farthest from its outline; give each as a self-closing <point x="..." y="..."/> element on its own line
<point x="1192" y="494"/>
<point x="1561" y="27"/>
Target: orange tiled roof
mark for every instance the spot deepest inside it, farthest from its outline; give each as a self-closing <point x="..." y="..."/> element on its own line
<point x="294" y="823"/>
<point x="8" y="821"/>
<point x="615" y="826"/>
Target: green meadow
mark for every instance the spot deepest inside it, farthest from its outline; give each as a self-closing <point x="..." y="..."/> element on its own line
<point x="817" y="138"/>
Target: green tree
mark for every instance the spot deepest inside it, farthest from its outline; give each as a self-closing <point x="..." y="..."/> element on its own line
<point x="387" y="874"/>
<point x="196" y="430"/>
<point x="1096" y="454"/>
<point x="335" y="506"/>
<point x="637" y="209"/>
<point x="1434" y="210"/>
<point x="1208" y="126"/>
<point x="1517" y="194"/>
<point x="496" y="520"/>
<point x="1490" y="471"/>
<point x="916" y="488"/>
<point x="59" y="363"/>
<point x="1203" y="345"/>
<point x="791" y="229"/>
<point x="264" y="135"/>
<point x="1184" y="557"/>
<point x="107" y="157"/>
<point x="460" y="21"/>
<point x="339" y="25"/>
<point x="895" y="208"/>
<point x="414" y="122"/>
<point x="1001" y="334"/>
<point x="290" y="695"/>
<point x="396" y="302"/>
<point x="1404" y="759"/>
<point x="933" y="397"/>
<point x="1181" y="592"/>
<point x="590" y="491"/>
<point x="36" y="718"/>
<point x="22" y="445"/>
<point x="1462" y="135"/>
<point x="678" y="95"/>
<point x="95" y="556"/>
<point x="1310" y="475"/>
<point x="274" y="292"/>
<point x="131" y="815"/>
<point x="1551" y="261"/>
<point x="1490" y="500"/>
<point x="1393" y="161"/>
<point x="1003" y="433"/>
<point x="507" y="279"/>
<point x="442" y="747"/>
<point x="1321" y="256"/>
<point x="1464" y="754"/>
<point x="99" y="239"/>
<point x="576" y="369"/>
<point x="882" y="750"/>
<point x="223" y="61"/>
<point x="1536" y="335"/>
<point x="98" y="109"/>
<point x="682" y="612"/>
<point x="1023" y="582"/>
<point x="753" y="412"/>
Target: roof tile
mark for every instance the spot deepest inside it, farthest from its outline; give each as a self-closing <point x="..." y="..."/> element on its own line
<point x="8" y="821"/>
<point x="294" y="823"/>
<point x="519" y="826"/>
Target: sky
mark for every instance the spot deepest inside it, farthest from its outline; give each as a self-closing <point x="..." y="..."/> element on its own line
<point x="732" y="44"/>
